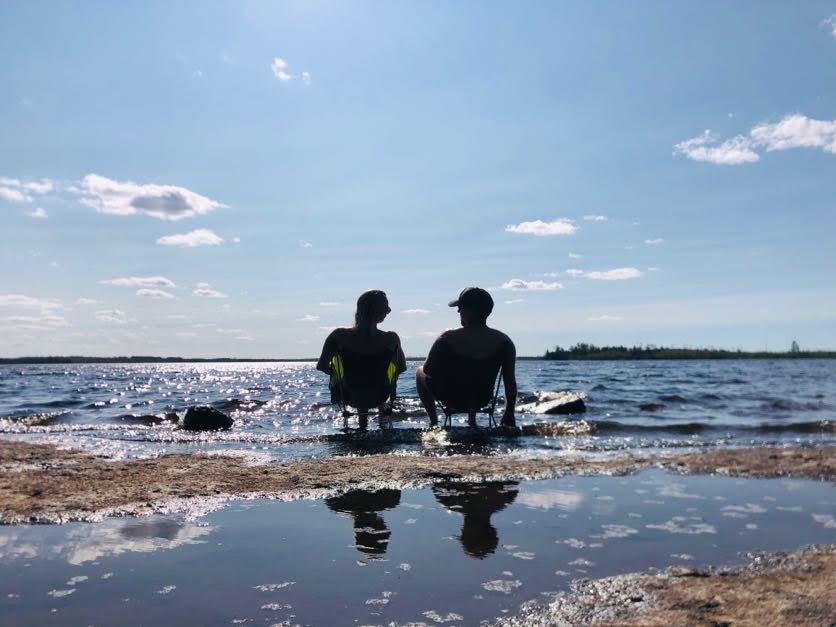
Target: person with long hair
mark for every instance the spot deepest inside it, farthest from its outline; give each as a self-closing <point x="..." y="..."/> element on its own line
<point x="364" y="339"/>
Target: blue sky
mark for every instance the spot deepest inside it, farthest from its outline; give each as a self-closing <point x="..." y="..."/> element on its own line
<point x="225" y="178"/>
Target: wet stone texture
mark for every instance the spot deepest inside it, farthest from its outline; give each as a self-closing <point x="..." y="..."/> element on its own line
<point x="40" y="483"/>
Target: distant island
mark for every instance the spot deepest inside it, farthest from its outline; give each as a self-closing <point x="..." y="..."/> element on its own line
<point x="590" y="352"/>
<point x="579" y="352"/>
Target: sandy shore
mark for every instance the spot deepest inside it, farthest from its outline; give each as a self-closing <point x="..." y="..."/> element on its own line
<point x="41" y="483"/>
<point x="775" y="589"/>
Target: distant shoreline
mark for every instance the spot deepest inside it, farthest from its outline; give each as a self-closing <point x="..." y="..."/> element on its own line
<point x="678" y="355"/>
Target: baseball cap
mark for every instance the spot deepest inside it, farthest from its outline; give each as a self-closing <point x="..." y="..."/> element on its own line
<point x="474" y="298"/>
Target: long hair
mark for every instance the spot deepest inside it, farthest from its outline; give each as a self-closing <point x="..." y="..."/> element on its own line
<point x="369" y="307"/>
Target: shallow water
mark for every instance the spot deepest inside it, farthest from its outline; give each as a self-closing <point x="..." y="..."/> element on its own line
<point x="457" y="552"/>
<point x="281" y="408"/>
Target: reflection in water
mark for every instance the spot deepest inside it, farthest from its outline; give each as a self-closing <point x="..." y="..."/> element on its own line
<point x="477" y="502"/>
<point x="79" y="543"/>
<point x="371" y="536"/>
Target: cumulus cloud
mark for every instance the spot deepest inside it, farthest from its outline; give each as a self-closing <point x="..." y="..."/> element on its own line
<point x="793" y="131"/>
<point x="595" y="218"/>
<point x="416" y="310"/>
<point x="140" y="281"/>
<point x="796" y="131"/>
<point x="654" y="241"/>
<point x="205" y="291"/>
<point x="111" y="316"/>
<point x="574" y="272"/>
<point x="21" y="301"/>
<point x="154" y="294"/>
<point x="280" y="71"/>
<point x="574" y="256"/>
<point x="124" y="198"/>
<point x="707" y="147"/>
<point x="13" y="195"/>
<point x="43" y="322"/>
<point x="38" y="213"/>
<point x="309" y="318"/>
<point x="15" y="190"/>
<point x="522" y="285"/>
<point x="561" y="226"/>
<point x="305" y="244"/>
<point x="831" y="23"/>
<point x="198" y="237"/>
<point x="616" y="274"/>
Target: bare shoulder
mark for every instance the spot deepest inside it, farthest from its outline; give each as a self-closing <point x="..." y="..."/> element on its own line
<point x="391" y="337"/>
<point x="503" y="338"/>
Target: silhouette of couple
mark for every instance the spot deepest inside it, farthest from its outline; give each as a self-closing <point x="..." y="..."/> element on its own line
<point x="459" y="373"/>
<point x="476" y="502"/>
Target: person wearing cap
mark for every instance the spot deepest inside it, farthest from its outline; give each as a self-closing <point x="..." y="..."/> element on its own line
<point x="475" y="344"/>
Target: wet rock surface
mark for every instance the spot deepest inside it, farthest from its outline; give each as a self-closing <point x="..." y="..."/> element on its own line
<point x="552" y="403"/>
<point x="205" y="418"/>
<point x="773" y="589"/>
<point x="41" y="483"/>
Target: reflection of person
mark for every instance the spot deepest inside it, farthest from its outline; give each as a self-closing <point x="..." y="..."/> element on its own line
<point x="477" y="502"/>
<point x="463" y="363"/>
<point x="365" y="340"/>
<point x="371" y="536"/>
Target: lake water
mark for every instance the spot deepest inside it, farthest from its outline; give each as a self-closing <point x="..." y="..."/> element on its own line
<point x="456" y="553"/>
<point x="632" y="405"/>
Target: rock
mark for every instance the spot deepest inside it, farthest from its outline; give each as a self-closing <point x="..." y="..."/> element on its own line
<point x="555" y="403"/>
<point x="205" y="418"/>
<point x="150" y="419"/>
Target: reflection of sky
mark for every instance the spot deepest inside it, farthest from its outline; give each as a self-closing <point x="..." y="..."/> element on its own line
<point x="565" y="500"/>
<point x="88" y="542"/>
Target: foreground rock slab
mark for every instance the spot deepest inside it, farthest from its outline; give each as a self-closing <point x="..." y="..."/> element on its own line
<point x="773" y="589"/>
<point x="41" y="483"/>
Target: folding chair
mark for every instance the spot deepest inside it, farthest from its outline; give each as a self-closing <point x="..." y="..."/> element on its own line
<point x="364" y="382"/>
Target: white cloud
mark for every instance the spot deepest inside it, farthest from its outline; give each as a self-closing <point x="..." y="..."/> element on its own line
<point x="514" y="301"/>
<point x="140" y="281"/>
<point x="617" y="274"/>
<point x="574" y="272"/>
<point x="653" y="269"/>
<point x="86" y="301"/>
<point x="38" y="213"/>
<point x="561" y="226"/>
<point x="831" y="22"/>
<point x="305" y="244"/>
<point x="522" y="285"/>
<point x="113" y="316"/>
<point x="205" y="291"/>
<point x="796" y="131"/>
<point x="595" y="218"/>
<point x="14" y="195"/>
<point x="44" y="186"/>
<point x="43" y="322"/>
<point x="705" y="147"/>
<point x="279" y="67"/>
<point x="417" y="310"/>
<point x="574" y="256"/>
<point x="793" y="131"/>
<point x="22" y="301"/>
<point x="155" y="294"/>
<point x="654" y="241"/>
<point x="197" y="74"/>
<point x="198" y="237"/>
<point x="236" y="240"/>
<point x="309" y="318"/>
<point x="604" y="317"/>
<point x="124" y="198"/>
<point x="280" y="71"/>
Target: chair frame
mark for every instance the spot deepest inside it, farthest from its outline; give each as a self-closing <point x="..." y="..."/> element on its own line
<point x="490" y="410"/>
<point x="346" y="413"/>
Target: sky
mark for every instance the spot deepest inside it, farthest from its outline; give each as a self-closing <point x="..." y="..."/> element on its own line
<point x="225" y="178"/>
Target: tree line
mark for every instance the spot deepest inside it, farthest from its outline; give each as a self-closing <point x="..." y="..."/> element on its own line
<point x="585" y="351"/>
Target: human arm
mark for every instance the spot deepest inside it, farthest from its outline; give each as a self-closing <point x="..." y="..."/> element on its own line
<point x="329" y="349"/>
<point x="509" y="381"/>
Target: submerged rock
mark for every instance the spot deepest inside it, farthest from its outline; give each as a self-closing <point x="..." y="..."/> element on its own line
<point x="205" y="418"/>
<point x="553" y="403"/>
